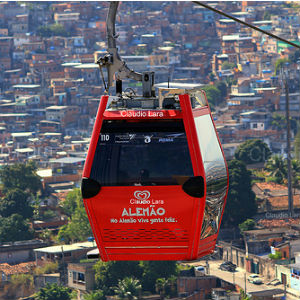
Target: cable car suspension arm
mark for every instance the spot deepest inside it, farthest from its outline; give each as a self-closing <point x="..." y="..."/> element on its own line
<point x="112" y="61"/>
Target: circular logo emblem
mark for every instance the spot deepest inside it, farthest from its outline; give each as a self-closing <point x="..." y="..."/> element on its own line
<point x="142" y="195"/>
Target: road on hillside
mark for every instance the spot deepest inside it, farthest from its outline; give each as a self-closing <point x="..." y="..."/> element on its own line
<point x="238" y="277"/>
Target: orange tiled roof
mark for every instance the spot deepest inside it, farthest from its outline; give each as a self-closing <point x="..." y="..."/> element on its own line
<point x="61" y="196"/>
<point x="278" y="223"/>
<point x="270" y="186"/>
<point x="21" y="268"/>
<point x="280" y="202"/>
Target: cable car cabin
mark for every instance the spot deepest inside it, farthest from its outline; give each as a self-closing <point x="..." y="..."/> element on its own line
<point x="155" y="180"/>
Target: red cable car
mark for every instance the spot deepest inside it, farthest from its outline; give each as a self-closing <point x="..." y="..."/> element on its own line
<point x="155" y="179"/>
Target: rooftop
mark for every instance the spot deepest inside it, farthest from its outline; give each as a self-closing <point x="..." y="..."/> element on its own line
<point x="265" y="293"/>
<point x="236" y="37"/>
<point x="226" y="21"/>
<point x="178" y="85"/>
<point x="21" y="134"/>
<point x="242" y="99"/>
<point x="56" y="107"/>
<point x="66" y="248"/>
<point x="68" y="160"/>
<point x="278" y="223"/>
<point x="87" y="66"/>
<point x="272" y="186"/>
<point x="21" y="268"/>
<point x="26" y="86"/>
<point x="44" y="173"/>
<point x="266" y="231"/>
<point x="24" y="150"/>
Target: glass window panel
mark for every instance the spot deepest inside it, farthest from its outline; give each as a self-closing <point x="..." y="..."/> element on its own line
<point x="200" y="99"/>
<point x="141" y="153"/>
<point x="215" y="173"/>
<point x="81" y="277"/>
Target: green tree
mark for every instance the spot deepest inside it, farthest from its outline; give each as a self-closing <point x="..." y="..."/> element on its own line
<point x="72" y="201"/>
<point x="267" y="15"/>
<point x="64" y="234"/>
<point x="222" y="87"/>
<point x="227" y="65"/>
<point x="95" y="295"/>
<point x="128" y="288"/>
<point x="241" y="203"/>
<point x="48" y="215"/>
<point x="48" y="268"/>
<point x="171" y="288"/>
<point x="278" y="121"/>
<point x="20" y="285"/>
<point x="295" y="165"/>
<point x="152" y="270"/>
<point x="244" y="296"/>
<point x="52" y="30"/>
<point x="213" y="95"/>
<point x="249" y="224"/>
<point x="297" y="144"/>
<point x="230" y="81"/>
<point x="16" y="201"/>
<point x="212" y="76"/>
<point x="280" y="64"/>
<point x="53" y="292"/>
<point x="20" y="176"/>
<point x="253" y="151"/>
<point x="58" y="30"/>
<point x="78" y="227"/>
<point x="46" y="235"/>
<point x="277" y="255"/>
<point x="277" y="169"/>
<point x="14" y="228"/>
<point x="44" y="31"/>
<point x="107" y="274"/>
<point x="160" y="287"/>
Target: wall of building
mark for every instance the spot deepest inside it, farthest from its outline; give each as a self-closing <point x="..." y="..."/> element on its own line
<point x="89" y="276"/>
<point x="282" y="270"/>
<point x="191" y="284"/>
<point x="295" y="282"/>
<point x="199" y="295"/>
<point x="251" y="263"/>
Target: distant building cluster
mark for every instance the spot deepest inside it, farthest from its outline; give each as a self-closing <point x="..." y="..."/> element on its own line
<point x="50" y="88"/>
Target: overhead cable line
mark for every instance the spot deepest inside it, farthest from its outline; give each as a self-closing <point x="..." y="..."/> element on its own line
<point x="246" y="24"/>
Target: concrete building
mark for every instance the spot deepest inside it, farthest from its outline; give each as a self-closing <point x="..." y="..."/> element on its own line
<point x="18" y="252"/>
<point x="81" y="276"/>
<point x="62" y="253"/>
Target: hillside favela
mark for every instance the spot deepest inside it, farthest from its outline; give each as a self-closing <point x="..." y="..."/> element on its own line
<point x="50" y="90"/>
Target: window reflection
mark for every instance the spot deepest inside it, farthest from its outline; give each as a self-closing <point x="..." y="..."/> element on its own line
<point x="142" y="153"/>
<point x="216" y="175"/>
<point x="200" y="98"/>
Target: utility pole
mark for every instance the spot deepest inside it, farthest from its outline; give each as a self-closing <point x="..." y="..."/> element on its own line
<point x="207" y="267"/>
<point x="245" y="283"/>
<point x="288" y="143"/>
<point x="63" y="264"/>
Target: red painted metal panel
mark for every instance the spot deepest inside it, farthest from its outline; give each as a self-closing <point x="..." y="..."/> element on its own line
<point x="197" y="162"/>
<point x="149" y="222"/>
<point x="95" y="136"/>
<point x="142" y="222"/>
